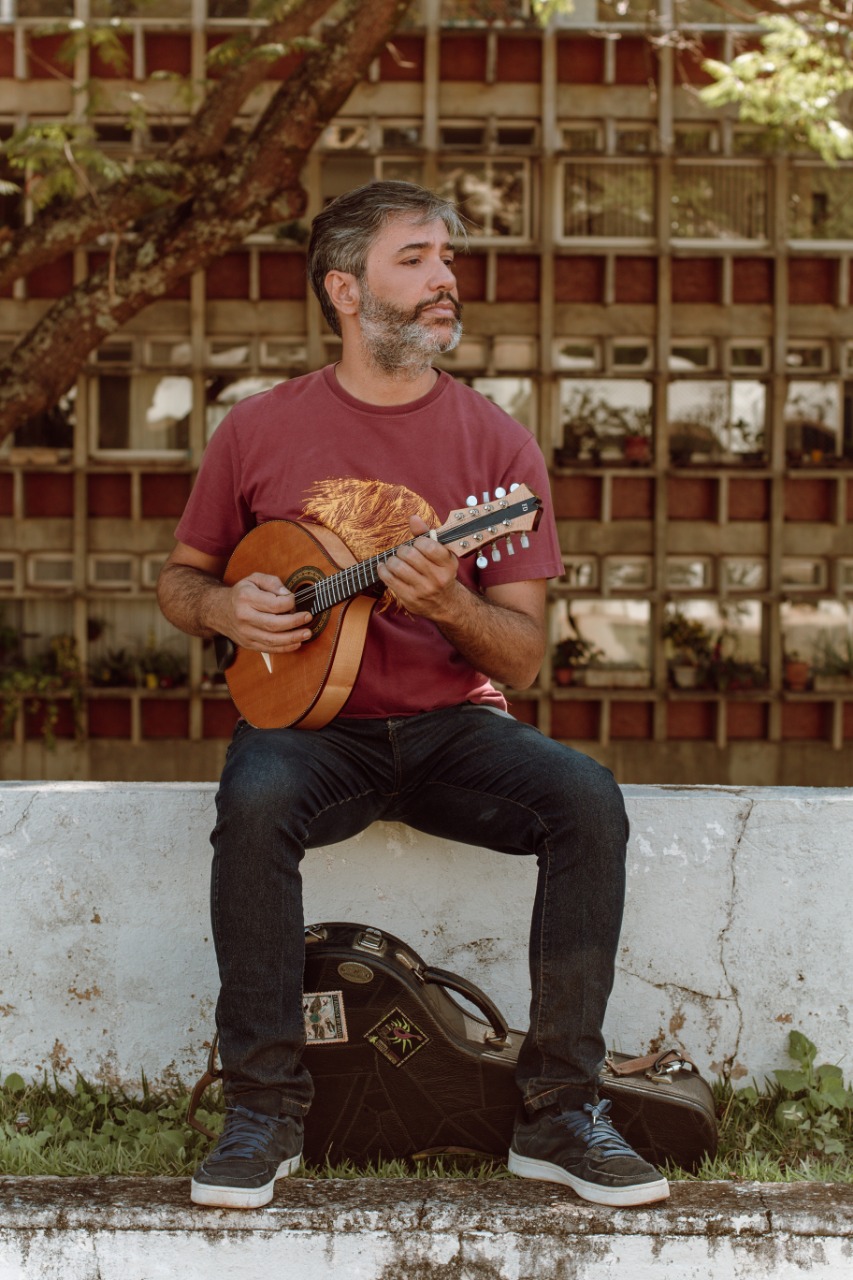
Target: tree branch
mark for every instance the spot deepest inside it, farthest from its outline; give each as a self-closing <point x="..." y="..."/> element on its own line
<point x="58" y="231"/>
<point x="220" y="202"/>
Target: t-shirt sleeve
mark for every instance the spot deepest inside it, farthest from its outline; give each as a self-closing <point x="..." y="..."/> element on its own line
<point x="217" y="514"/>
<point x="542" y="559"/>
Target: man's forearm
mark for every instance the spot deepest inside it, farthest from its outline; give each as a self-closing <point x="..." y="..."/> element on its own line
<point x="505" y="644"/>
<point x="189" y="598"/>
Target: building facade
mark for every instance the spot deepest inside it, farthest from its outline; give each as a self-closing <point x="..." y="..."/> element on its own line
<point x="653" y="289"/>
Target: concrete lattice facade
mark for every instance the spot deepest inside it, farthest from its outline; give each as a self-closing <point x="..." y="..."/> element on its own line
<point x="661" y="298"/>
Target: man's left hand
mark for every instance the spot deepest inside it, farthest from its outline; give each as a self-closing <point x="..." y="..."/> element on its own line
<point x="423" y="575"/>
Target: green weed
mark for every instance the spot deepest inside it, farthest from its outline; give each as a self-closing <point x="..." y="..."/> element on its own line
<point x="798" y="1127"/>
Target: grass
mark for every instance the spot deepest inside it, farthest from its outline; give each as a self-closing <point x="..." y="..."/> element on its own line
<point x="47" y="1128"/>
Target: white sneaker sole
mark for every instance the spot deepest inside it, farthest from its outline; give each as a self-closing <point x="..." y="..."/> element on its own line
<point x="242" y="1197"/>
<point x="639" y="1193"/>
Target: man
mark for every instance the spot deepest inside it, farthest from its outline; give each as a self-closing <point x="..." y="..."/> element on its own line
<point x="379" y="448"/>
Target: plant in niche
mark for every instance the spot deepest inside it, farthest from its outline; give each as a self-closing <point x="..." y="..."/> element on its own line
<point x="41" y="685"/>
<point x="571" y="654"/>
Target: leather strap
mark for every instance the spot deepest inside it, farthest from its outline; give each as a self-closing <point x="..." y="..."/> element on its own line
<point x="211" y="1075"/>
<point x="653" y="1064"/>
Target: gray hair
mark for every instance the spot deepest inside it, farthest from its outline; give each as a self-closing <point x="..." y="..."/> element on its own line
<point x="342" y="235"/>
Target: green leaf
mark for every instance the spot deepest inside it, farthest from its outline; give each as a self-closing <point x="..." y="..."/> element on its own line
<point x="15" y="1083"/>
<point x="801" y="1049"/>
<point x="793" y="1081"/>
<point x="791" y="1115"/>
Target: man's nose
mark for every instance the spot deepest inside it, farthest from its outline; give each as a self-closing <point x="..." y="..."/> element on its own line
<point x="443" y="277"/>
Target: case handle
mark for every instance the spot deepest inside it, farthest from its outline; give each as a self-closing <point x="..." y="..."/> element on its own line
<point x="444" y="978"/>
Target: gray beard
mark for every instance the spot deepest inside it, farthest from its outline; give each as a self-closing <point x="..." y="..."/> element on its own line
<point x="399" y="343"/>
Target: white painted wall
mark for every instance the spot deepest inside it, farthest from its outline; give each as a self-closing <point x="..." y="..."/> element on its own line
<point x="736" y="930"/>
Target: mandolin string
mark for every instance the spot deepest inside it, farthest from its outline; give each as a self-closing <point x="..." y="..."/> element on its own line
<point x="306" y="596"/>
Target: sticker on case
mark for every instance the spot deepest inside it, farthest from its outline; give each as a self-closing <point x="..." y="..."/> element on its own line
<point x="325" y="1021"/>
<point x="397" y="1038"/>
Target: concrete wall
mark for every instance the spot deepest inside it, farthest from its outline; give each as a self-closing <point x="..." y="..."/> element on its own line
<point x="736" y="929"/>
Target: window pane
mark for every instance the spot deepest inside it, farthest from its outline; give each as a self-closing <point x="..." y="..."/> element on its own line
<point x="491" y="193"/>
<point x="146" y="412"/>
<point x="811" y="417"/>
<point x="709" y="417"/>
<point x="821" y="204"/>
<point x="608" y="200"/>
<point x="719" y="202"/>
<point x="597" y="414"/>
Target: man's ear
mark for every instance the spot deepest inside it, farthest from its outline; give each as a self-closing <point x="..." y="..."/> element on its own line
<point x="342" y="288"/>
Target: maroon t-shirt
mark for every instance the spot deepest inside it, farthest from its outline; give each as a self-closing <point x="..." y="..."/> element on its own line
<point x="306" y="450"/>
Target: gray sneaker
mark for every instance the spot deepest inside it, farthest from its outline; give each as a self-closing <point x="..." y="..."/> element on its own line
<point x="582" y="1150"/>
<point x="253" y="1150"/>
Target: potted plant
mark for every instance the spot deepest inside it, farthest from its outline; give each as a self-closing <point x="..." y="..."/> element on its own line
<point x="161" y="667"/>
<point x="833" y="664"/>
<point x="634" y="426"/>
<point x="570" y="656"/>
<point x="691" y="645"/>
<point x="796" y="671"/>
<point x="42" y="686"/>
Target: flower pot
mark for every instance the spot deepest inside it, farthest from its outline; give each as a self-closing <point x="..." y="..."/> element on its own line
<point x="564" y="676"/>
<point x="685" y="677"/>
<point x="636" y="449"/>
<point x="797" y="675"/>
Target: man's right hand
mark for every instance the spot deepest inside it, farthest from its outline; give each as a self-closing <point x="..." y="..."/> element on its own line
<point x="260" y="615"/>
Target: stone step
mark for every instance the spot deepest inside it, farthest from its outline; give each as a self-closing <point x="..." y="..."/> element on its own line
<point x="375" y="1229"/>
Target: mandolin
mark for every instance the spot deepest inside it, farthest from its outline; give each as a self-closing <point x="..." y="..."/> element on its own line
<point x="308" y="688"/>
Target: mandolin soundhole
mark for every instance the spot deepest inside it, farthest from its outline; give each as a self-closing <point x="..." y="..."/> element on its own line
<point x="303" y="581"/>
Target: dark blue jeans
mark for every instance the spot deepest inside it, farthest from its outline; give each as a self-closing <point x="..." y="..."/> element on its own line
<point x="465" y="773"/>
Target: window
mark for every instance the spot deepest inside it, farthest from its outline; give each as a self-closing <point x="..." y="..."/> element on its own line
<point x="812" y="418"/>
<point x="743" y="573"/>
<point x="47" y="570"/>
<point x="598" y="414"/>
<point x="112" y="572"/>
<point x="719" y="202"/>
<point x="619" y="629"/>
<point x="710" y="418"/>
<point x="820" y="203"/>
<point x="627" y="573"/>
<point x="745" y="356"/>
<point x="802" y="573"/>
<point x="143" y="412"/>
<point x="689" y="573"/>
<point x="577" y="354"/>
<point x="581" y="572"/>
<point x="692" y="357"/>
<point x="610" y="200"/>
<point x="493" y="194"/>
<point x="807" y="357"/>
<point x="631" y="353"/>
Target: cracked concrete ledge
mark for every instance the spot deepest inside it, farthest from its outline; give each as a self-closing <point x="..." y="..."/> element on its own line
<point x="736" y="923"/>
<point x="145" y="1229"/>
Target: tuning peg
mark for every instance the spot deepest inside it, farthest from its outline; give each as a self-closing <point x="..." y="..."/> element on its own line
<point x="496" y="555"/>
<point x="470" y="501"/>
<point x="482" y="562"/>
<point x="510" y="549"/>
<point x="486" y="498"/>
<point x="525" y="541"/>
<point x="513" y="487"/>
<point x="500" y="492"/>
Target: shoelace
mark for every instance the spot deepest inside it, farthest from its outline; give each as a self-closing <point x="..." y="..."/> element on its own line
<point x="594" y="1126"/>
<point x="245" y="1135"/>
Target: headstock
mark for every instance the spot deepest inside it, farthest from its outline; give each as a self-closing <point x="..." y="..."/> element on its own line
<point x="474" y="526"/>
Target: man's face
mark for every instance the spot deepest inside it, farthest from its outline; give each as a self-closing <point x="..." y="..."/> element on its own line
<point x="409" y="308"/>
